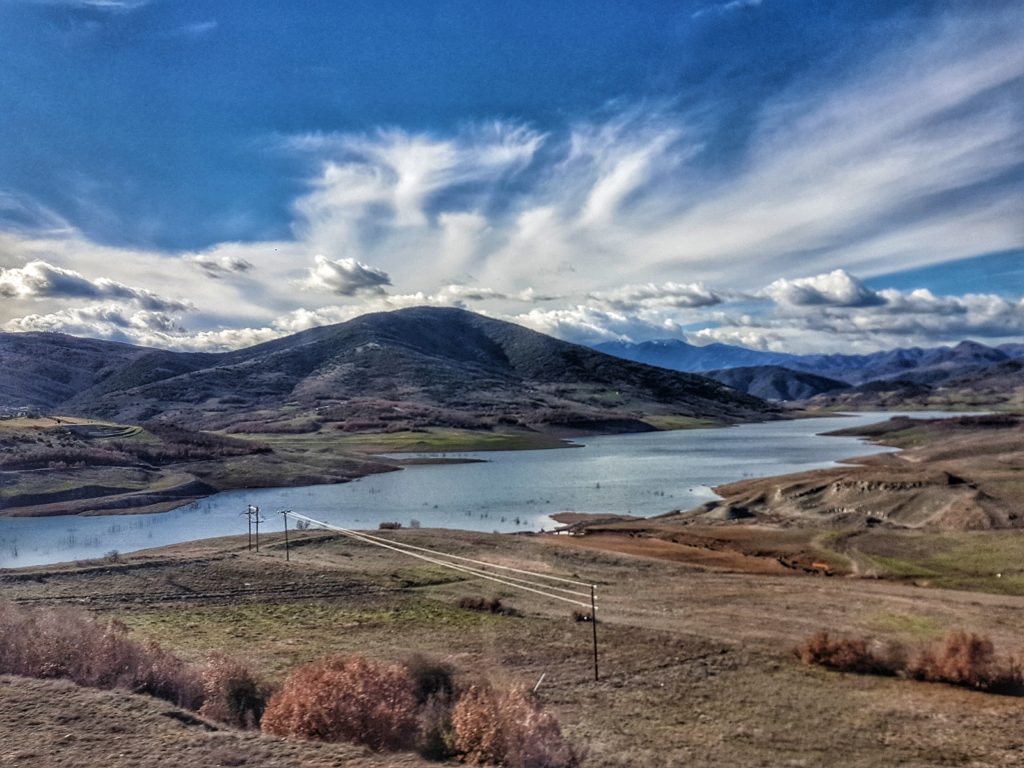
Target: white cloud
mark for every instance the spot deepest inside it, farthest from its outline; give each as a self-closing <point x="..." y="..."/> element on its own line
<point x="657" y="296"/>
<point x="38" y="279"/>
<point x="345" y="277"/>
<point x="837" y="288"/>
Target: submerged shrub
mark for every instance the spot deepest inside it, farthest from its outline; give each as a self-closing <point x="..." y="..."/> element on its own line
<point x="508" y="728"/>
<point x="346" y="699"/>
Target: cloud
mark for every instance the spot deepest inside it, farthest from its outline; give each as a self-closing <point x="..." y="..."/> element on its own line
<point x="723" y="8"/>
<point x="105" y="321"/>
<point x="39" y="279"/>
<point x="345" y="277"/>
<point x="838" y="288"/>
<point x="657" y="296"/>
<point x="198" y="28"/>
<point x="839" y="315"/>
<point x="109" y="6"/>
<point x="219" y="266"/>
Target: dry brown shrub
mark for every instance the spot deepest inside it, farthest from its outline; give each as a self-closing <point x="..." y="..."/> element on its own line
<point x="70" y="643"/>
<point x="508" y="728"/>
<point x="968" y="659"/>
<point x="485" y="605"/>
<point x="346" y="699"/>
<point x="232" y="693"/>
<point x="847" y="654"/>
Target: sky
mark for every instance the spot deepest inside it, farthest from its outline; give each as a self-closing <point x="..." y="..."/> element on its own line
<point x="792" y="175"/>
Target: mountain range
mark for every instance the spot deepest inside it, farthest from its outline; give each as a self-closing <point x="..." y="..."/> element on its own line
<point x="784" y="376"/>
<point x="389" y="371"/>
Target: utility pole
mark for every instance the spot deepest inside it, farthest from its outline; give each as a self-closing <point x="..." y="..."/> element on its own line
<point x="593" y="624"/>
<point x="248" y="517"/>
<point x="284" y="514"/>
<point x="257" y="516"/>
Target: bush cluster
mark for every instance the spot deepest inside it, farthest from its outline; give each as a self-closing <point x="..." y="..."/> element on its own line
<point x="71" y="644"/>
<point x="384" y="706"/>
<point x="388" y="706"/>
<point x="963" y="658"/>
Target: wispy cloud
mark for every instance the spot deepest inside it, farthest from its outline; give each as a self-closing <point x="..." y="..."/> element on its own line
<point x="730" y="7"/>
<point x="622" y="224"/>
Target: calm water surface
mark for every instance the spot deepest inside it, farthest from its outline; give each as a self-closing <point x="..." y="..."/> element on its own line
<point x="644" y="474"/>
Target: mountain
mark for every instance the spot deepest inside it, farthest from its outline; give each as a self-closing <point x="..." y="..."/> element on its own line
<point x="911" y="365"/>
<point x="46" y="369"/>
<point x="382" y="372"/>
<point x="998" y="386"/>
<point x="677" y="355"/>
<point x="773" y="382"/>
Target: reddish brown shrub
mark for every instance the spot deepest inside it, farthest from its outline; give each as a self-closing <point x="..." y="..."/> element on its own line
<point x="72" y="644"/>
<point x="847" y="654"/>
<point x="346" y="699"/>
<point x="232" y="693"/>
<point x="967" y="659"/>
<point x="510" y="729"/>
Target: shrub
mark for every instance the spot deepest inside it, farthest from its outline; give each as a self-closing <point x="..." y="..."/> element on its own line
<point x="967" y="659"/>
<point x="508" y="728"/>
<point x="483" y="605"/>
<point x="346" y="699"/>
<point x="430" y="679"/>
<point x="71" y="644"/>
<point x="435" y="740"/>
<point x="389" y="526"/>
<point x="846" y="655"/>
<point x="963" y="658"/>
<point x="232" y="693"/>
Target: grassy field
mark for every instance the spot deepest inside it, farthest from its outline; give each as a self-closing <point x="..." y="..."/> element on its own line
<point x="697" y="667"/>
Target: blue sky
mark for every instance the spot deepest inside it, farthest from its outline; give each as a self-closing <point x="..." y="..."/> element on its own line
<point x="777" y="173"/>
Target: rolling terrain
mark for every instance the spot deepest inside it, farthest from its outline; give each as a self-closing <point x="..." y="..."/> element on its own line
<point x="153" y="429"/>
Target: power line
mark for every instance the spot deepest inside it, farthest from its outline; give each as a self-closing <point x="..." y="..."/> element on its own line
<point x="521" y="584"/>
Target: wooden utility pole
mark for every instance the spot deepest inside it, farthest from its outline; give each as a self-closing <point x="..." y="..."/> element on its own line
<point x="257" y="516"/>
<point x="284" y="514"/>
<point x="593" y="624"/>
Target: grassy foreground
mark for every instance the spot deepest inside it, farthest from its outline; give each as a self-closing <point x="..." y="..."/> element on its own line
<point x="697" y="664"/>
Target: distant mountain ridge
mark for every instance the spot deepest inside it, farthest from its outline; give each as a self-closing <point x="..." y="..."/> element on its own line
<point x="764" y="373"/>
<point x="396" y="370"/>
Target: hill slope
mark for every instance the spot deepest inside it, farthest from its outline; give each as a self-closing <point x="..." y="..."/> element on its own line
<point x="397" y="370"/>
<point x="773" y="382"/>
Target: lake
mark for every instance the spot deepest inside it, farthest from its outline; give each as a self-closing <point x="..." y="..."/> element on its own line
<point x="642" y="474"/>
